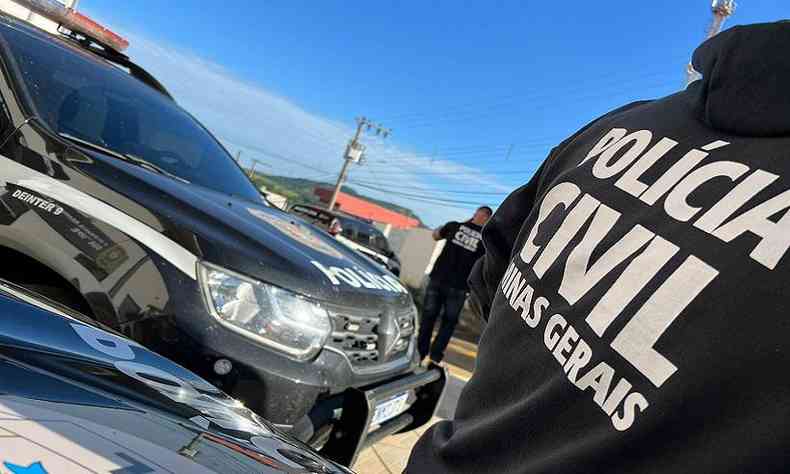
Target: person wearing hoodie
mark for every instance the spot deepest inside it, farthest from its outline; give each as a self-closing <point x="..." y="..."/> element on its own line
<point x="637" y="292"/>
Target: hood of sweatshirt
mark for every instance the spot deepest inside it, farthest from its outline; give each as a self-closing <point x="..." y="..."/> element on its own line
<point x="745" y="78"/>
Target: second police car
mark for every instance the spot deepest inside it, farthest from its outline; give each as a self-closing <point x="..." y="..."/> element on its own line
<point x="357" y="234"/>
<point x="76" y="397"/>
<point x="118" y="203"/>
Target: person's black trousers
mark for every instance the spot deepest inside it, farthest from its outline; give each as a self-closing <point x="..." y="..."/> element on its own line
<point x="438" y="297"/>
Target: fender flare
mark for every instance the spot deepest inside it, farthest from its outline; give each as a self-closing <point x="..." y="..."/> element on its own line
<point x="80" y="279"/>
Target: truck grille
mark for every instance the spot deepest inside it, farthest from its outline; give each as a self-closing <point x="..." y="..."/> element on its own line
<point x="371" y="338"/>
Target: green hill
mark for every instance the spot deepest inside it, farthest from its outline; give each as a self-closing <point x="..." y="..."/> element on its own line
<point x="300" y="190"/>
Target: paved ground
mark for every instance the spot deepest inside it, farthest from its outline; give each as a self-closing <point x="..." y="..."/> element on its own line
<point x="389" y="456"/>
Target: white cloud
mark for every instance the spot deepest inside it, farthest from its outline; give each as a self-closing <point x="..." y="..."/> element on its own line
<point x="269" y="127"/>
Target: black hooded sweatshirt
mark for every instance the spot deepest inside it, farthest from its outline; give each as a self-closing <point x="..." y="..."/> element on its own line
<point x="638" y="289"/>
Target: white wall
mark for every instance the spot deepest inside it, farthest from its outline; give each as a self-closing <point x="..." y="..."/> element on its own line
<point x="396" y="238"/>
<point x="418" y="252"/>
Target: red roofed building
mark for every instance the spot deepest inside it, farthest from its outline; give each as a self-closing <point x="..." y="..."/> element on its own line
<point x="367" y="210"/>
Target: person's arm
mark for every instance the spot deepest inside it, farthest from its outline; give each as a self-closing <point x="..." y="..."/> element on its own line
<point x="441" y="233"/>
<point x="499" y="236"/>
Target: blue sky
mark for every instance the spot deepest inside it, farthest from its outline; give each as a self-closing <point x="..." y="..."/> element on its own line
<point x="476" y="93"/>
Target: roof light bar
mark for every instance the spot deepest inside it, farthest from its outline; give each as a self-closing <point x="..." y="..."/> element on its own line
<point x="75" y="21"/>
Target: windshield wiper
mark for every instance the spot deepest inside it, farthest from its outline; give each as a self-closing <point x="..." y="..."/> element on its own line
<point x="125" y="157"/>
<point x="151" y="166"/>
<point x="95" y="146"/>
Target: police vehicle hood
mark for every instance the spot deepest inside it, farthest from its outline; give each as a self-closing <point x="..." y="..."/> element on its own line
<point x="745" y="71"/>
<point x="76" y="398"/>
<point x="250" y="237"/>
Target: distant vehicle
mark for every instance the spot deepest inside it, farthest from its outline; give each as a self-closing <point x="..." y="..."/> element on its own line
<point x="356" y="233"/>
<point x="78" y="397"/>
<point x="116" y="202"/>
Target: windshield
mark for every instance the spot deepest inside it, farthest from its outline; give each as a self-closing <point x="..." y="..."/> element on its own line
<point x="82" y="97"/>
<point x="367" y="235"/>
<point x="379" y="242"/>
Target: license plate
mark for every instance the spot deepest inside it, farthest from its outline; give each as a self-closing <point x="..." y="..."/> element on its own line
<point x="390" y="408"/>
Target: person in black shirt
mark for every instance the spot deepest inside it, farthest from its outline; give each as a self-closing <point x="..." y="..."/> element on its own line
<point x="637" y="289"/>
<point x="447" y="287"/>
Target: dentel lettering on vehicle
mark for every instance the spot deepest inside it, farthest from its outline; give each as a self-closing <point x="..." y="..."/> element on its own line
<point x="36" y="201"/>
<point x="358" y="278"/>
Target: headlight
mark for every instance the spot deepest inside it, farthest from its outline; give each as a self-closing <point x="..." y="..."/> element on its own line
<point x="272" y="316"/>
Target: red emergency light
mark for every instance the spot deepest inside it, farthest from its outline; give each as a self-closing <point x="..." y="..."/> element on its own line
<point x="75" y="22"/>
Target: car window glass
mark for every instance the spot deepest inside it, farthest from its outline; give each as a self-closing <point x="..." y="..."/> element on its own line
<point x="349" y="229"/>
<point x="363" y="236"/>
<point x="379" y="242"/>
<point x="313" y="215"/>
<point x="5" y="120"/>
<point x="302" y="211"/>
<point x="88" y="99"/>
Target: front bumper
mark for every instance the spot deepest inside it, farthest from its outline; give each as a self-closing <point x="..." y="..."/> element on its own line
<point x="290" y="393"/>
<point x="280" y="389"/>
<point x="352" y="432"/>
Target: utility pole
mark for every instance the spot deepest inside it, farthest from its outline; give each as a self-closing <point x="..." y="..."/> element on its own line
<point x="252" y="168"/>
<point x="353" y="154"/>
<point x="255" y="163"/>
<point x="721" y="9"/>
<point x="509" y="151"/>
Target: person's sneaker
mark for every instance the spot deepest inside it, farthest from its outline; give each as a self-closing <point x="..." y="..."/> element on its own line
<point x="433" y="362"/>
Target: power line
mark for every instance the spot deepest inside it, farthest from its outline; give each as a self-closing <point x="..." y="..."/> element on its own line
<point x="499" y="150"/>
<point x="489" y="159"/>
<point x="380" y="176"/>
<point x="494" y="156"/>
<point x="417" y="198"/>
<point x="469" y="152"/>
<point x="471" y="172"/>
<point x="536" y="97"/>
<point x="546" y="101"/>
<point x="288" y="160"/>
<point x="553" y="91"/>
<point x="433" y="190"/>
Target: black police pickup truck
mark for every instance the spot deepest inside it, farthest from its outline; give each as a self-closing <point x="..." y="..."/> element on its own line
<point x="119" y="204"/>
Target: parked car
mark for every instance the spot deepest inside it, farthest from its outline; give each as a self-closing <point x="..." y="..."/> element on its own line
<point x="119" y="204"/>
<point x="77" y="397"/>
<point x="356" y="233"/>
